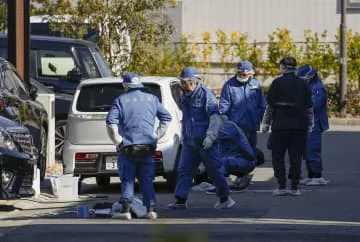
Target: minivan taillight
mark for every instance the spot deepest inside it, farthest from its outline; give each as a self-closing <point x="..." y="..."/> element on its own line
<point x="86" y="156"/>
<point x="157" y="155"/>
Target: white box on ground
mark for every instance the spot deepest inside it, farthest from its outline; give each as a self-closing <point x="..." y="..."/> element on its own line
<point x="65" y="187"/>
<point x="48" y="100"/>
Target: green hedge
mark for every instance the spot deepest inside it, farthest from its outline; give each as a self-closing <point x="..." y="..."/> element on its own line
<point x="228" y="50"/>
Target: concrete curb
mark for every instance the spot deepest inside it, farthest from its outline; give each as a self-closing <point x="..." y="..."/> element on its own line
<point x="344" y="121"/>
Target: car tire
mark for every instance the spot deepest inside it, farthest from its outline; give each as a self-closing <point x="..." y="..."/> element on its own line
<point x="103" y="180"/>
<point x="171" y="177"/>
<point x="42" y="154"/>
<point x="60" y="132"/>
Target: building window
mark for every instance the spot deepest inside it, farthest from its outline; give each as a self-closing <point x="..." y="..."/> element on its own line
<point x="353" y="6"/>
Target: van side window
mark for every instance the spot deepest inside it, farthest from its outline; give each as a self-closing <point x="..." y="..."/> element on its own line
<point x="53" y="63"/>
<point x="87" y="61"/>
<point x="176" y="92"/>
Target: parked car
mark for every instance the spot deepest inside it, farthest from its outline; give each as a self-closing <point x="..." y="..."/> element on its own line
<point x="17" y="160"/>
<point x="89" y="152"/>
<point x="18" y="103"/>
<point x="60" y="63"/>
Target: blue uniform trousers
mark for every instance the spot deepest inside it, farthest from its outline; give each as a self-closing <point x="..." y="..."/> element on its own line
<point x="313" y="154"/>
<point x="191" y="156"/>
<point x="142" y="168"/>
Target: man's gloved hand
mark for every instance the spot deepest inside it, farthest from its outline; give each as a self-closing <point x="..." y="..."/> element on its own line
<point x="265" y="128"/>
<point x="223" y="118"/>
<point x="207" y="143"/>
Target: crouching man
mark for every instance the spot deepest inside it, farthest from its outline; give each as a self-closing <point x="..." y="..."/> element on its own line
<point x="237" y="155"/>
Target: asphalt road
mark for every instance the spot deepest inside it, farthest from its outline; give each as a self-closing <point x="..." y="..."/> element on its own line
<point x="329" y="213"/>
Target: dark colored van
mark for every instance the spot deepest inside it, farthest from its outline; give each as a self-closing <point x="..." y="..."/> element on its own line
<point x="60" y="64"/>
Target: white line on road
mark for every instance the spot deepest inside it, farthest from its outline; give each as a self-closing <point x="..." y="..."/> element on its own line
<point x="267" y="221"/>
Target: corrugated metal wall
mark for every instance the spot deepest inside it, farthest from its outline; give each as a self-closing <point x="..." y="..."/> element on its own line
<point x="261" y="17"/>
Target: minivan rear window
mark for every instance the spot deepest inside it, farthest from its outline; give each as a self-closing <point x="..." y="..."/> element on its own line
<point x="100" y="97"/>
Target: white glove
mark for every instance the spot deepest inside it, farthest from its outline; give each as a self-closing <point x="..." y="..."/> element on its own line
<point x="223" y="118"/>
<point x="113" y="133"/>
<point x="207" y="143"/>
<point x="265" y="128"/>
<point x="161" y="130"/>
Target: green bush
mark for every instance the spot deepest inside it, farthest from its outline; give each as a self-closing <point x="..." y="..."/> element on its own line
<point x="352" y="100"/>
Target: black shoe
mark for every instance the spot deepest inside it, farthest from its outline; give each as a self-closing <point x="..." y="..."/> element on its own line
<point x="242" y="183"/>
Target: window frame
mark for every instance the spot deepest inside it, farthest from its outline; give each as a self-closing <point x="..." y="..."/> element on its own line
<point x="172" y="88"/>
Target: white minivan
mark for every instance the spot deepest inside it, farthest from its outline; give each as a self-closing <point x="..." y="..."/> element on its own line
<point x="89" y="152"/>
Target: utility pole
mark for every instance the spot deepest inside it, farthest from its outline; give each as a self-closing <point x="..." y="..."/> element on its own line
<point x="343" y="59"/>
<point x="18" y="36"/>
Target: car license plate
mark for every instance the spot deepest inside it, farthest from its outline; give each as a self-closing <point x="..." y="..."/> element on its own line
<point x="111" y="162"/>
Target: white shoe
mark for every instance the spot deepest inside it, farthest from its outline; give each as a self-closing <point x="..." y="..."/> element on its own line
<point x="151" y="215"/>
<point x="304" y="181"/>
<point x="203" y="187"/>
<point x="317" y="182"/>
<point x="124" y="216"/>
<point x="225" y="205"/>
<point x="294" y="192"/>
<point x="280" y="192"/>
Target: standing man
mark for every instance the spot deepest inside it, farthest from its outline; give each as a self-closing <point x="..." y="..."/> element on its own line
<point x="242" y="101"/>
<point x="130" y="123"/>
<point x="321" y="124"/>
<point x="200" y="125"/>
<point x="290" y="114"/>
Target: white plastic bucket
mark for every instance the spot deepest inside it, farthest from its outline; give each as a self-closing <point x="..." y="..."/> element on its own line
<point x="65" y="187"/>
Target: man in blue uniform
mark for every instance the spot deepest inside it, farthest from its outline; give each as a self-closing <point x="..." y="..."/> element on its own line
<point x="200" y="126"/>
<point x="242" y="101"/>
<point x="321" y="124"/>
<point x="236" y="152"/>
<point x="130" y="123"/>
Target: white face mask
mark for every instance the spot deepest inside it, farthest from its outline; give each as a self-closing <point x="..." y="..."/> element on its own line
<point x="242" y="80"/>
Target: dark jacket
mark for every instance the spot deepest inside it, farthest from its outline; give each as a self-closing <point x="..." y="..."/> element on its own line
<point x="290" y="99"/>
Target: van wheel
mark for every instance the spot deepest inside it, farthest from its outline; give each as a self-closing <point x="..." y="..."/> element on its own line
<point x="103" y="180"/>
<point x="60" y="133"/>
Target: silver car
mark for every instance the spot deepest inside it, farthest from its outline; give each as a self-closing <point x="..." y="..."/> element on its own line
<point x="89" y="152"/>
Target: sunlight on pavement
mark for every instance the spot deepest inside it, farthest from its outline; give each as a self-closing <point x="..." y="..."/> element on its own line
<point x="263" y="174"/>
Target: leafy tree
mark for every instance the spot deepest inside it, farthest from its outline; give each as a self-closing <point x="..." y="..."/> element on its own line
<point x="280" y="45"/>
<point x="353" y="53"/>
<point x="318" y="53"/>
<point x="142" y="20"/>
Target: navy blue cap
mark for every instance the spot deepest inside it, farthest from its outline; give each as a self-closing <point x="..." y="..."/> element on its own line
<point x="306" y="72"/>
<point x="132" y="80"/>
